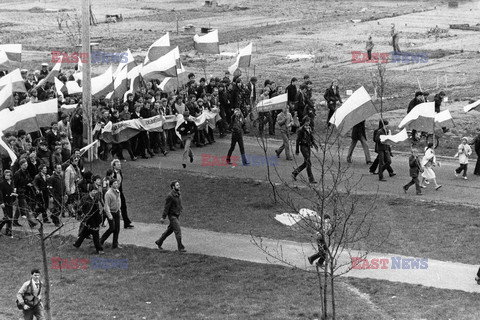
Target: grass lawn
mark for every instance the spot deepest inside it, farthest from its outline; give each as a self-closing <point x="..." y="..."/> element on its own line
<point x="421" y="229"/>
<point x="170" y="285"/>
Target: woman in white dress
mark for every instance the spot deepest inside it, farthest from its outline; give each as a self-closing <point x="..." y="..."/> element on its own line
<point x="428" y="162"/>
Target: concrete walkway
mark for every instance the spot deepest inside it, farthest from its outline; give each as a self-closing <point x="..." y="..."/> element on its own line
<point x="438" y="274"/>
<point x="454" y="190"/>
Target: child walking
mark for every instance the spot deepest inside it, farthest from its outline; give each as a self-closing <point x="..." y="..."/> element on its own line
<point x="464" y="151"/>
<point x="428" y="162"/>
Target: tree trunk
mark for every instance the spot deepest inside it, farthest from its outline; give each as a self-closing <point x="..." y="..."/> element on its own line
<point x="325" y="294"/>
<point x="333" y="292"/>
<point x="45" y="272"/>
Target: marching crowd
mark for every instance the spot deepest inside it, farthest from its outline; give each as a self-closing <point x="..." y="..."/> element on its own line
<point x="49" y="163"/>
<point x="49" y="174"/>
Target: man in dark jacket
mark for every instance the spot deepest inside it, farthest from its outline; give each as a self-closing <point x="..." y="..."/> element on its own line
<point x="358" y="134"/>
<point x="7" y="198"/>
<point x="173" y="209"/>
<point x="331" y="96"/>
<point x="438" y="99"/>
<point x="237" y="126"/>
<point x="415" y="170"/>
<point x="56" y="184"/>
<point x="23" y="183"/>
<point x="40" y="183"/>
<point x="305" y="141"/>
<point x="384" y="152"/>
<point x="415" y="101"/>
<point x="187" y="130"/>
<point x="91" y="219"/>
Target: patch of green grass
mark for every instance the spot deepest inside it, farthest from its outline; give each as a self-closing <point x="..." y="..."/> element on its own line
<point x="169" y="285"/>
<point x="402" y="226"/>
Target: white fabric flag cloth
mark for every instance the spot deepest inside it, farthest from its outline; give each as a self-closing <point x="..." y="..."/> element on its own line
<point x="290" y="219"/>
<point x="471" y="106"/>
<point x="394" y="138"/>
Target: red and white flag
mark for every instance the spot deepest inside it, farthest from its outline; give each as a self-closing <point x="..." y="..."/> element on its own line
<point x="22" y="117"/>
<point x="420" y="118"/>
<point x="46" y="112"/>
<point x="164" y="66"/>
<point x="158" y="49"/>
<point x="7" y="149"/>
<point x="120" y="84"/>
<point x="170" y="84"/>
<point x="13" y="51"/>
<point x="67" y="88"/>
<point x="51" y="75"/>
<point x="4" y="62"/>
<point x="15" y="78"/>
<point x="180" y="68"/>
<point x="102" y="84"/>
<point x="208" y="43"/>
<point x="243" y="60"/>
<point x="6" y="97"/>
<point x="444" y="119"/>
<point x="127" y="61"/>
<point x="358" y="107"/>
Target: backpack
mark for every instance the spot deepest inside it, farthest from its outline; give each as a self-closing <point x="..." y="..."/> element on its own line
<point x="31" y="303"/>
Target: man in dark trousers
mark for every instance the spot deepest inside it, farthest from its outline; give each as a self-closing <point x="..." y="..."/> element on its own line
<point x="415" y="170"/>
<point x="331" y="96"/>
<point x="7" y="198"/>
<point x="91" y="219"/>
<point x="187" y="130"/>
<point x="58" y="194"/>
<point x="23" y="183"/>
<point x="112" y="210"/>
<point x="237" y="126"/>
<point x="118" y="175"/>
<point x="40" y="183"/>
<point x="305" y="141"/>
<point x="173" y="209"/>
<point x="438" y="99"/>
<point x="358" y="134"/>
<point x="384" y="152"/>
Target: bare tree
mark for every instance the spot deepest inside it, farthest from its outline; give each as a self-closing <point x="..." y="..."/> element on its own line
<point x="379" y="81"/>
<point x="335" y="196"/>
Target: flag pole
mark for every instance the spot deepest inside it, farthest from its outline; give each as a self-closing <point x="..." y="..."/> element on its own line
<point x="86" y="79"/>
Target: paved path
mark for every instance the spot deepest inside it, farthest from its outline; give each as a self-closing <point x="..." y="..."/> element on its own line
<point x="438" y="274"/>
<point x="454" y="190"/>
